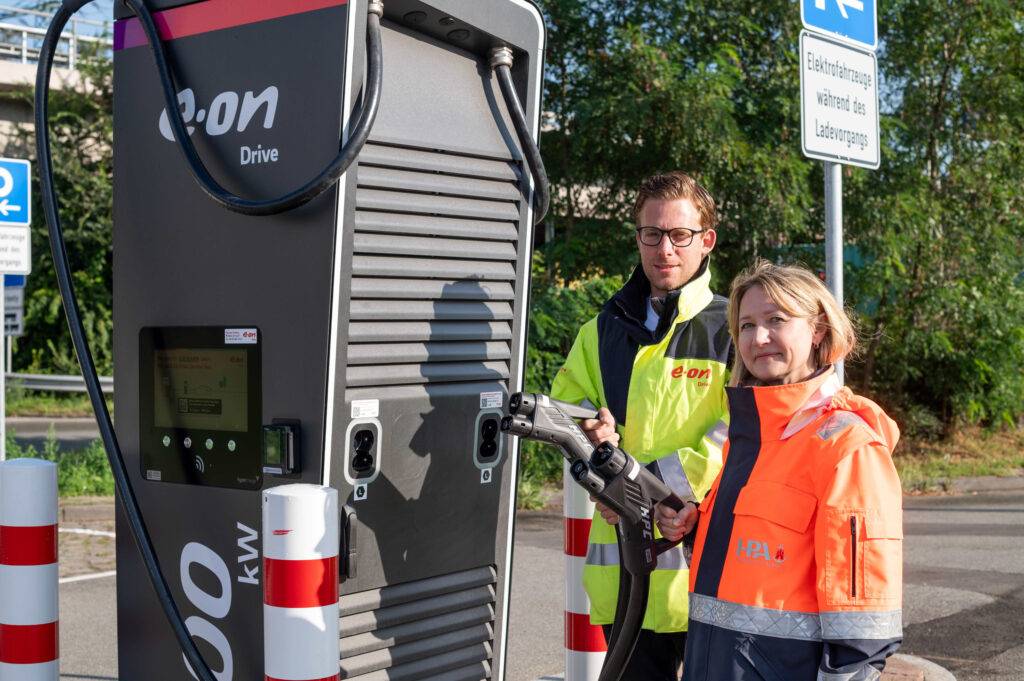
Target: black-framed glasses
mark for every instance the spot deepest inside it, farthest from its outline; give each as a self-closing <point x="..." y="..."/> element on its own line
<point x="680" y="236"/>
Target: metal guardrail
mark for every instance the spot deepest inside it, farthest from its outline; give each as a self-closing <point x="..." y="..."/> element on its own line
<point x="58" y="384"/>
<point x="22" y="41"/>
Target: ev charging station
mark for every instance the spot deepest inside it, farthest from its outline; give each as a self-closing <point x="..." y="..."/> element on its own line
<point x="368" y="340"/>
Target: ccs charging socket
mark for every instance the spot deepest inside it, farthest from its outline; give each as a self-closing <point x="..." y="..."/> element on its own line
<point x="488" y="443"/>
<point x="362" y="454"/>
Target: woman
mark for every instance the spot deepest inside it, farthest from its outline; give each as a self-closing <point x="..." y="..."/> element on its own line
<point x="797" y="563"/>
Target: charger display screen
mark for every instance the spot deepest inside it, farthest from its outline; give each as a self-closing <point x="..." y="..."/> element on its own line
<point x="200" y="405"/>
<point x="201" y="388"/>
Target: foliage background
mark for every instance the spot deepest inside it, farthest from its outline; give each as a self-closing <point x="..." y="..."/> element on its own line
<point x="935" y="236"/>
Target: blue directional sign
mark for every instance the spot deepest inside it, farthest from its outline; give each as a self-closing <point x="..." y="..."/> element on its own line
<point x="15" y="185"/>
<point x="854" y="22"/>
<point x="14" y="280"/>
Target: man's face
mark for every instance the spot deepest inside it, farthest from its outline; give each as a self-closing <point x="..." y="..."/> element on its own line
<point x="669" y="267"/>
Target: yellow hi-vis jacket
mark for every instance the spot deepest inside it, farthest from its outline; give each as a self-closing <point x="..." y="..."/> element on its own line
<point x="666" y="390"/>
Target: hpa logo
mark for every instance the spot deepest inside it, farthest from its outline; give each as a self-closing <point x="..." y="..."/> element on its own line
<point x="756" y="551"/>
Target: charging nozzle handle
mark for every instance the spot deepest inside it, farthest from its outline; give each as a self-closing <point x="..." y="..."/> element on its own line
<point x="524" y="404"/>
<point x="326" y="178"/>
<point x="535" y="416"/>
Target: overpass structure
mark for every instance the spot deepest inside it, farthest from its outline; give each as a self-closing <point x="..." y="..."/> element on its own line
<point x="21" y="35"/>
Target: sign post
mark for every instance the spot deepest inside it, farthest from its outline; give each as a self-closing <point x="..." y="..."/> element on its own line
<point x="15" y="250"/>
<point x="838" y="107"/>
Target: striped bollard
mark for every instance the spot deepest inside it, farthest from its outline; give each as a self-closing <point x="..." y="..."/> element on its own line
<point x="28" y="571"/>
<point x="300" y="585"/>
<point x="584" y="642"/>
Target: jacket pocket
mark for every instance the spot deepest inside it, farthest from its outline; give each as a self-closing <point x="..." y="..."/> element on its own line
<point x="883" y="556"/>
<point x="777" y="503"/>
<point x="863" y="556"/>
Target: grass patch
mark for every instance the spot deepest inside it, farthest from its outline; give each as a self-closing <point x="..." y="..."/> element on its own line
<point x="80" y="472"/>
<point x="21" y="402"/>
<point x="535" y="494"/>
<point x="927" y="465"/>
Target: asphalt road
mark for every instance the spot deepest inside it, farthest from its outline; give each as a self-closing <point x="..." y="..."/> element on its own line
<point x="964" y="584"/>
<point x="964" y="595"/>
<point x="70" y="433"/>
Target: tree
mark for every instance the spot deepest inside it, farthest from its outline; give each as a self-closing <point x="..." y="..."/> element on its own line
<point x="81" y="135"/>
<point x="943" y="216"/>
<point x="712" y="86"/>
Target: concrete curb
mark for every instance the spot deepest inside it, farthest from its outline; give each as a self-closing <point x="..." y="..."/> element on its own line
<point x="931" y="671"/>
<point x="89" y="509"/>
<point x="988" y="484"/>
<point x="899" y="668"/>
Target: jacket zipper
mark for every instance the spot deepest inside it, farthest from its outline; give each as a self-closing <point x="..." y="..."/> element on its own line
<point x="853" y="556"/>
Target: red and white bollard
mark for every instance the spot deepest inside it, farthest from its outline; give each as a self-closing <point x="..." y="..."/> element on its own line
<point x="584" y="643"/>
<point x="300" y="583"/>
<point x="28" y="571"/>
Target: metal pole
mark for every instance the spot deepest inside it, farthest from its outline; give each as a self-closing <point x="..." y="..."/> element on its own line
<point x="834" y="236"/>
<point x="3" y="376"/>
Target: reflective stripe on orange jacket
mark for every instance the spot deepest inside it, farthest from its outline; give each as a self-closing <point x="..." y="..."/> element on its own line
<point x="797" y="565"/>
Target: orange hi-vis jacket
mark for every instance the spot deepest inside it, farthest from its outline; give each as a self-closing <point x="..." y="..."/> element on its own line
<point x="797" y="565"/>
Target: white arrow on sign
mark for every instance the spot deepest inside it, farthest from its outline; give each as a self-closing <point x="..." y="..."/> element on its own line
<point x="843" y="4"/>
<point x="7" y="207"/>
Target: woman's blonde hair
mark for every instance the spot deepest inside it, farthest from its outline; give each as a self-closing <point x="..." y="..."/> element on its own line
<point x="799" y="293"/>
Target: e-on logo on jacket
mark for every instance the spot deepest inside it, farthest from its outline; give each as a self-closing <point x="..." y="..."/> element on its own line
<point x="756" y="551"/>
<point x="702" y="376"/>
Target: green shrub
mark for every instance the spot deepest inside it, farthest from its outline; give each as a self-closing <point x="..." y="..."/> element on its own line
<point x="80" y="472"/>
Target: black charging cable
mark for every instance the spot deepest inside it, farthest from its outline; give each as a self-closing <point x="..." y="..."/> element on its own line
<point x="92" y="383"/>
<point x="501" y="64"/>
<point x="51" y="210"/>
<point x="314" y="187"/>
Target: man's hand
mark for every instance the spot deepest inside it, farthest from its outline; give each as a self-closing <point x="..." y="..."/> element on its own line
<point x="674" y="525"/>
<point x="601" y="429"/>
<point x="610" y="516"/>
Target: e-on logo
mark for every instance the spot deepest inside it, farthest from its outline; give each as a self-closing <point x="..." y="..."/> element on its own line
<point x="224" y="112"/>
<point x="681" y="371"/>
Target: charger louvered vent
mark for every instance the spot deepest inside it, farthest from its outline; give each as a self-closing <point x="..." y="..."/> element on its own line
<point x="433" y="268"/>
<point x="430" y="629"/>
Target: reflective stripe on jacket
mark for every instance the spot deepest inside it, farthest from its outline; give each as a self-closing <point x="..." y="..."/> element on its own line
<point x="666" y="390"/>
<point x="798" y="557"/>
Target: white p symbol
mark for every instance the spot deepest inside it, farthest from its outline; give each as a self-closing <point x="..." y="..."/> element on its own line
<point x="6" y="182"/>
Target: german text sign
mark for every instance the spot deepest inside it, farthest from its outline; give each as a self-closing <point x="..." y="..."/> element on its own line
<point x="15" y="215"/>
<point x="838" y="102"/>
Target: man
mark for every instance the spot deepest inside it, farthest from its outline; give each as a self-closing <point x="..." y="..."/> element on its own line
<point x="655" y="360"/>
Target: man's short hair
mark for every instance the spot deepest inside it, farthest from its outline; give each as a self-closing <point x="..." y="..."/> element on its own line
<point x="673" y="186"/>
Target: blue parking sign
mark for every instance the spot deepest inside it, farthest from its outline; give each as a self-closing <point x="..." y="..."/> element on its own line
<point x="854" y="22"/>
<point x="15" y="191"/>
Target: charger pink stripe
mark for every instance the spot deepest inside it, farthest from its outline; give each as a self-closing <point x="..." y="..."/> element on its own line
<point x="212" y="15"/>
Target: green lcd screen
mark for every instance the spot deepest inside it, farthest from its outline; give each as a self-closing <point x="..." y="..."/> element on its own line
<point x="273" y="446"/>
<point x="201" y="389"/>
